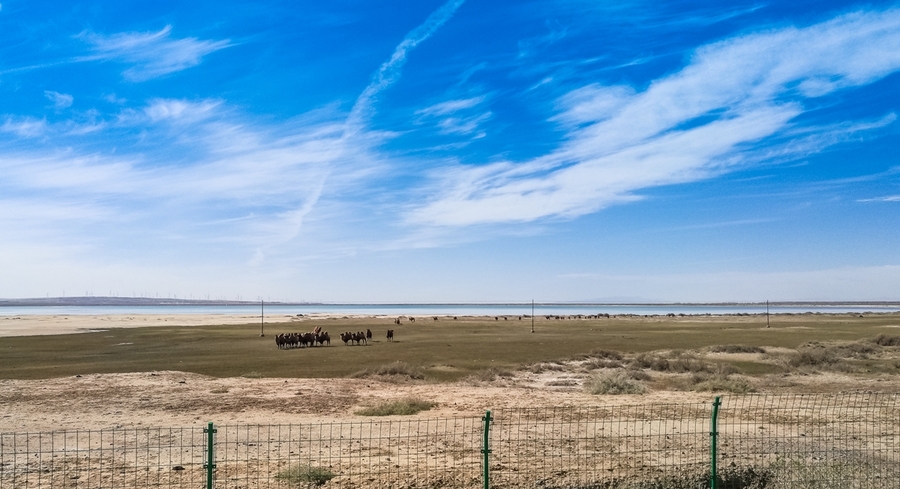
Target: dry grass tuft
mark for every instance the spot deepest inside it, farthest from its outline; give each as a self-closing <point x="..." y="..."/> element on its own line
<point x="736" y="349"/>
<point x="396" y="372"/>
<point x="614" y="383"/>
<point x="403" y="407"/>
<point x="597" y="363"/>
<point x="886" y="340"/>
<point x="305" y="475"/>
<point x="491" y="374"/>
<point x="679" y="363"/>
<point x="721" y="383"/>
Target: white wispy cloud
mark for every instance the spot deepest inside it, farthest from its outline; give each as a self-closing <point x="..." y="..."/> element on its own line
<point x="451" y="106"/>
<point x="27" y="127"/>
<point x="456" y="116"/>
<point x="887" y="198"/>
<point x="698" y="122"/>
<point x="179" y="110"/>
<point x="150" y="54"/>
<point x="60" y="100"/>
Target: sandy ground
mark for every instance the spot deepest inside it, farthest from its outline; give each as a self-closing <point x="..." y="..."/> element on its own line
<point x="178" y="399"/>
<point x="169" y="399"/>
<point x="29" y="325"/>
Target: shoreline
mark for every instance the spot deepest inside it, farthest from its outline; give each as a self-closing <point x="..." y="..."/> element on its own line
<point x="62" y="324"/>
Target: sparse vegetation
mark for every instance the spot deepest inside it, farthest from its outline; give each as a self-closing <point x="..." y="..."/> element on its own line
<point x="404" y="407"/>
<point x="472" y="345"/>
<point x="680" y="363"/>
<point x="721" y="383"/>
<point x="597" y="363"/>
<point x="305" y="475"/>
<point x="637" y="374"/>
<point x="605" y="354"/>
<point x="396" y="371"/>
<point x="617" y="382"/>
<point x="885" y="340"/>
<point x="736" y="349"/>
<point x="491" y="374"/>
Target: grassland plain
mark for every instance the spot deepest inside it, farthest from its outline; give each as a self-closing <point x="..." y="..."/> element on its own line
<point x="173" y="376"/>
<point x="445" y="349"/>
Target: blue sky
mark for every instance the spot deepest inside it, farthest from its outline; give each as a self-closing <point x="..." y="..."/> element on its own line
<point x="429" y="151"/>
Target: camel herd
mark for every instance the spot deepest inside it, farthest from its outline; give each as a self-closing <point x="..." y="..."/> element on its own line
<point x="300" y="340"/>
<point x="318" y="337"/>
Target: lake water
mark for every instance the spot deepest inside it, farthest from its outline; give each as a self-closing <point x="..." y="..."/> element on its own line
<point x="455" y="309"/>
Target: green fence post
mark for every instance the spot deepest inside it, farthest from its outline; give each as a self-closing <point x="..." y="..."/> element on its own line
<point x="713" y="439"/>
<point x="486" y="450"/>
<point x="210" y="455"/>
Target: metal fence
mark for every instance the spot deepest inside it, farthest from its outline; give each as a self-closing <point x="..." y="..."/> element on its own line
<point x="754" y="441"/>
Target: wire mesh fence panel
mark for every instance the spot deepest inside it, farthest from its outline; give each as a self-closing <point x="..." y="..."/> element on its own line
<point x="654" y="445"/>
<point x="384" y="453"/>
<point x="763" y="441"/>
<point x="849" y="440"/>
<point x="116" y="458"/>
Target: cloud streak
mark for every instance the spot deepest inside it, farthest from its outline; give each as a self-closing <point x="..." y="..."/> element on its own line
<point x="389" y="72"/>
<point x="699" y="122"/>
<point x="150" y="54"/>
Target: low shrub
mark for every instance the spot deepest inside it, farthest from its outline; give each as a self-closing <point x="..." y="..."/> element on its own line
<point x="596" y="363"/>
<point x="403" y="407"/>
<point x="721" y="383"/>
<point x="617" y="382"/>
<point x="651" y="361"/>
<point x="885" y="340"/>
<point x="491" y="374"/>
<point x="392" y="371"/>
<point x="606" y="354"/>
<point x="680" y="363"/>
<point x="305" y="475"/>
<point x="637" y="374"/>
<point x="857" y="349"/>
<point x="736" y="349"/>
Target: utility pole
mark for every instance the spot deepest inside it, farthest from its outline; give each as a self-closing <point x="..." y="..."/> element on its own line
<point x="767" y="313"/>
<point x="532" y="315"/>
<point x="262" y="318"/>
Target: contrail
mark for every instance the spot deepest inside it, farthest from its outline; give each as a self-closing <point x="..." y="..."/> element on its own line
<point x="389" y="72"/>
<point x="386" y="75"/>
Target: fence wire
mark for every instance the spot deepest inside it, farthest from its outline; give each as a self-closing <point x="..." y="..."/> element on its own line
<point x="390" y="453"/>
<point x="812" y="441"/>
<point x="114" y="458"/>
<point x="601" y="447"/>
<point x="764" y="441"/>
